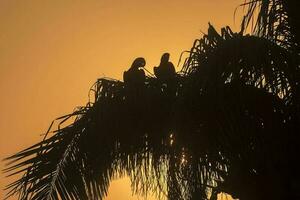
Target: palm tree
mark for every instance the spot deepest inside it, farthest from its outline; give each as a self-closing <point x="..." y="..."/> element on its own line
<point x="276" y="21"/>
<point x="227" y="123"/>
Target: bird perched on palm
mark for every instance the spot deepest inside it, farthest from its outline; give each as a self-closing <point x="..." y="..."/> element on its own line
<point x="165" y="71"/>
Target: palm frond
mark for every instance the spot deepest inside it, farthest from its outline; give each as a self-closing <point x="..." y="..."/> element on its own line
<point x="276" y="20"/>
<point x="185" y="139"/>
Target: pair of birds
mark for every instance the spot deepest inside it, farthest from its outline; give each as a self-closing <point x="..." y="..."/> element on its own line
<point x="136" y="75"/>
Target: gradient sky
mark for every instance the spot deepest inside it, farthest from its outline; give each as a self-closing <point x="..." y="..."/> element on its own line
<point x="52" y="51"/>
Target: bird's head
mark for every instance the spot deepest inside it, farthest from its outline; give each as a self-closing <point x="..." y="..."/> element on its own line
<point x="138" y="62"/>
<point x="165" y="58"/>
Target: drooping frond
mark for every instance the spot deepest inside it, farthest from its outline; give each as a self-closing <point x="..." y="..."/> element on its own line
<point x="219" y="126"/>
<point x="251" y="60"/>
<point x="276" y="20"/>
<point x="239" y="75"/>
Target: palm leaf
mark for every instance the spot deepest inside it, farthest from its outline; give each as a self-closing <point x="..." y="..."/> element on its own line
<point x="185" y="139"/>
<point x="276" y="20"/>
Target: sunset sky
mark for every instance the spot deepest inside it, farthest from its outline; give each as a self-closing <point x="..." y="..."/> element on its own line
<point x="52" y="51"/>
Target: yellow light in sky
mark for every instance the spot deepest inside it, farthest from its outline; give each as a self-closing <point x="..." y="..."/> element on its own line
<point x="51" y="52"/>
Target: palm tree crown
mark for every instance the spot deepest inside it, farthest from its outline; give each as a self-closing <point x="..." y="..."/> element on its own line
<point x="227" y="122"/>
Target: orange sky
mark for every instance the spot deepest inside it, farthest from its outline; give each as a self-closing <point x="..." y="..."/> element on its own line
<point x="52" y="51"/>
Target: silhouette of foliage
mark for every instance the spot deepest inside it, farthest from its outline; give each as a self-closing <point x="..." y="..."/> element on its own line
<point x="276" y="20"/>
<point x="228" y="122"/>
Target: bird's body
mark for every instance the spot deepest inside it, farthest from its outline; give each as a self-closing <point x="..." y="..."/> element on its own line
<point x="135" y="75"/>
<point x="166" y="69"/>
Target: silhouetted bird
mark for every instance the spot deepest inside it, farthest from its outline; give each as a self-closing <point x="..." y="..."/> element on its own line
<point x="166" y="70"/>
<point x="135" y="75"/>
